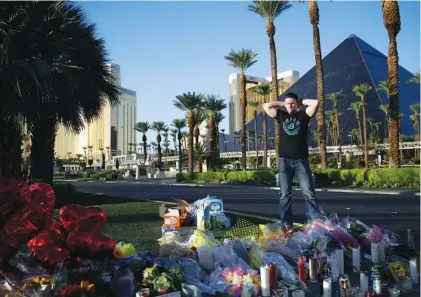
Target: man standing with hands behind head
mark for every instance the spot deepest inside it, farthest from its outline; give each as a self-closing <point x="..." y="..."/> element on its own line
<point x="293" y="153"/>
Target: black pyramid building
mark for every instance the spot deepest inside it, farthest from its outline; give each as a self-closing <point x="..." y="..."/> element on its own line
<point x="351" y="63"/>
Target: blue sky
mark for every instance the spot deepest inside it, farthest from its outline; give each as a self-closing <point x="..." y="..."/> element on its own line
<point x="168" y="48"/>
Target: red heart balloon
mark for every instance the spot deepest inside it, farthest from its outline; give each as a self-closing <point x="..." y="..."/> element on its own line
<point x="42" y="196"/>
<point x="12" y="196"/>
<point x="24" y="224"/>
<point x="49" y="245"/>
<point x="90" y="245"/>
<point x="80" y="218"/>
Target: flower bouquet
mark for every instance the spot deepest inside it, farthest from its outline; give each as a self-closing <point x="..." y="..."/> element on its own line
<point x="161" y="280"/>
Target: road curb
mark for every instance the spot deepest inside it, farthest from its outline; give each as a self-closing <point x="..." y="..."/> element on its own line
<point x="331" y="190"/>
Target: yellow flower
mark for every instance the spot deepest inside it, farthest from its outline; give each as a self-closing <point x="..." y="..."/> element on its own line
<point x="87" y="285"/>
<point x="36" y="280"/>
<point x="46" y="281"/>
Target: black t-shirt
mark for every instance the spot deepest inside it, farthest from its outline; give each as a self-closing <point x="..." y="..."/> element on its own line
<point x="293" y="134"/>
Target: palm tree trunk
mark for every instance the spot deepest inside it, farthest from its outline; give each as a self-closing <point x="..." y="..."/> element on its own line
<point x="12" y="152"/>
<point x="270" y="30"/>
<point x="212" y="143"/>
<point x="198" y="166"/>
<point x="360" y="130"/>
<point x="256" y="144"/>
<point x="159" y="155"/>
<point x="190" y="144"/>
<point x="392" y="61"/>
<point x="321" y="129"/>
<point x="338" y="136"/>
<point x="365" y="133"/>
<point x="145" y="153"/>
<point x="243" y="103"/>
<point x="180" y="153"/>
<point x="42" y="150"/>
<point x="196" y="134"/>
<point x="265" y="140"/>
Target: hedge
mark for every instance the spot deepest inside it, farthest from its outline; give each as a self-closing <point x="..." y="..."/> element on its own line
<point x="374" y="178"/>
<point x="105" y="175"/>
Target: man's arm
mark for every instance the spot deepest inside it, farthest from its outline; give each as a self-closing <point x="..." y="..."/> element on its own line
<point x="271" y="108"/>
<point x="312" y="106"/>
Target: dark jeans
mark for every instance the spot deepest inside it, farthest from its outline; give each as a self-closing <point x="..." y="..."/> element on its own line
<point x="288" y="168"/>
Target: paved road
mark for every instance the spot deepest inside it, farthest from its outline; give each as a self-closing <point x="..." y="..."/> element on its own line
<point x="394" y="212"/>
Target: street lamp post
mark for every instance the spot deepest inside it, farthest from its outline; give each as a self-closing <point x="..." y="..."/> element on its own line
<point x="223" y="137"/>
<point x="68" y="159"/>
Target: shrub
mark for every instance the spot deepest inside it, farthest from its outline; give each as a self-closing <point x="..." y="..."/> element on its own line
<point x="375" y="177"/>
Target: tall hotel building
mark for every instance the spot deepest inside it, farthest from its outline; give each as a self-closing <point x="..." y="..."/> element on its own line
<point x="285" y="80"/>
<point x="111" y="132"/>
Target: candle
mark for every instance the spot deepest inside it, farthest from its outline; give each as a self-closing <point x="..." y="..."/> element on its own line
<point x="298" y="293"/>
<point x="340" y="257"/>
<point x="327" y="287"/>
<point x="356" y="262"/>
<point x="363" y="282"/>
<point x="394" y="292"/>
<point x="413" y="271"/>
<point x="313" y="267"/>
<point x="381" y="253"/>
<point x="374" y="252"/>
<point x="334" y="265"/>
<point x="264" y="279"/>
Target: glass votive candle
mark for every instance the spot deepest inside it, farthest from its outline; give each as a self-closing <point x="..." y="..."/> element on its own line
<point x="394" y="292"/>
<point x="405" y="283"/>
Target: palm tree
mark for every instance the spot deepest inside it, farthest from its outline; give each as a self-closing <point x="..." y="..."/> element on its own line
<point x="384" y="86"/>
<point x="330" y="123"/>
<point x="415" y="118"/>
<point x="179" y="124"/>
<point x="313" y="10"/>
<point x="60" y="77"/>
<point x="219" y="117"/>
<point x="173" y="133"/>
<point x="199" y="117"/>
<point x="356" y="107"/>
<point x="361" y="90"/>
<point x="385" y="109"/>
<point x="264" y="90"/>
<point x="334" y="97"/>
<point x="189" y="102"/>
<point x="158" y="127"/>
<point x="242" y="59"/>
<point x="166" y="142"/>
<point x="415" y="79"/>
<point x="212" y="105"/>
<point x="253" y="105"/>
<point x="200" y="155"/>
<point x="143" y="127"/>
<point x="392" y="22"/>
<point x="270" y="10"/>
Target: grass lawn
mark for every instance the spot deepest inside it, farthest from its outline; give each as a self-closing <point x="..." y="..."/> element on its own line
<point x="127" y="220"/>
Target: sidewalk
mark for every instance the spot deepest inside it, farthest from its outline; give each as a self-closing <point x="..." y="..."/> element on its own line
<point x="171" y="182"/>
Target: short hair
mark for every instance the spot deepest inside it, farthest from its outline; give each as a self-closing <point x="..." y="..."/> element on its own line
<point x="291" y="95"/>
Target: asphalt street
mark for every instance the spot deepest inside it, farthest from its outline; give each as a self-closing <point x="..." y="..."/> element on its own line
<point x="394" y="212"/>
